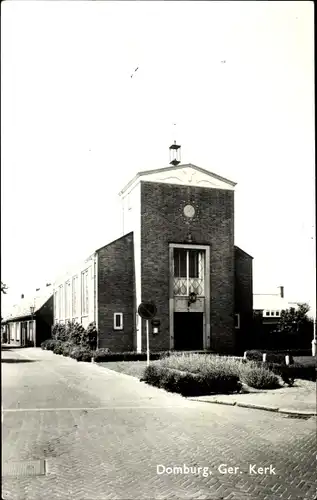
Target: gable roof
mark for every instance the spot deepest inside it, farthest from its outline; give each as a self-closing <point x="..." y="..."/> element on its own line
<point x="22" y="309"/>
<point x="271" y="302"/>
<point x="173" y="168"/>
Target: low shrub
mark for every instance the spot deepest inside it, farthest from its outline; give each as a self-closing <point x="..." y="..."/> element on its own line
<point x="104" y="355"/>
<point x="101" y="354"/>
<point x="203" y="363"/>
<point x="49" y="344"/>
<point x="295" y="352"/>
<point x="190" y="384"/>
<point x="81" y="354"/>
<point x="44" y="344"/>
<point x="259" y="377"/>
<point x="294" y="371"/>
<point x="273" y="357"/>
<point x="153" y="374"/>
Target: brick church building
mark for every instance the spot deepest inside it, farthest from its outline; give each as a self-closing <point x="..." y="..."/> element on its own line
<point x="177" y="250"/>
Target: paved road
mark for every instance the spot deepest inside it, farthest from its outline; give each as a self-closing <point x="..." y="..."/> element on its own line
<point x="103" y="435"/>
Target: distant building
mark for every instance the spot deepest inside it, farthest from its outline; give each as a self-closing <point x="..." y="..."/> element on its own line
<point x="270" y="306"/>
<point x="30" y="321"/>
<point x="267" y="313"/>
<point x="177" y="250"/>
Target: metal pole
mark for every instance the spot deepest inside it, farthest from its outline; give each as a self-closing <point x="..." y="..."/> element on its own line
<point x="147" y="343"/>
<point x="314" y="342"/>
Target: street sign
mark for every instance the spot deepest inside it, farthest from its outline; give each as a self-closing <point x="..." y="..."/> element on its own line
<point x="147" y="310"/>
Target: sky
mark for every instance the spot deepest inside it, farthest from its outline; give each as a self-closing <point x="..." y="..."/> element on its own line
<point x="76" y="127"/>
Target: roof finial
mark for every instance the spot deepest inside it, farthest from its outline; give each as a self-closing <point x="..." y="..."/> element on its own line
<point x="175" y="153"/>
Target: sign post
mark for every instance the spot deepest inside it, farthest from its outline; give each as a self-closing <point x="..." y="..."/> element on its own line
<point x="147" y="311"/>
<point x="147" y="343"/>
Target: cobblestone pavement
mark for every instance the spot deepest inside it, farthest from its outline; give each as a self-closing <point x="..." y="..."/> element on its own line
<point x="103" y="435"/>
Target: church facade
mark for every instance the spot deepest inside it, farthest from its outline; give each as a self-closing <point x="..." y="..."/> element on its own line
<point x="177" y="250"/>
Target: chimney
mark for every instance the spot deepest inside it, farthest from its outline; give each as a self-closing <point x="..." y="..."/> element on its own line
<point x="22" y="296"/>
<point x="282" y="292"/>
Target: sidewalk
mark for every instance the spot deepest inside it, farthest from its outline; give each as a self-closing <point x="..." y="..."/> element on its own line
<point x="297" y="400"/>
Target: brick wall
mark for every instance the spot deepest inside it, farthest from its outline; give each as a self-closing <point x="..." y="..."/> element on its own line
<point x="162" y="223"/>
<point x="115" y="282"/>
<point x="243" y="298"/>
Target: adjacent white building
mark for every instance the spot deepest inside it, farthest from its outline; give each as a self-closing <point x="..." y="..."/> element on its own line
<point x="75" y="294"/>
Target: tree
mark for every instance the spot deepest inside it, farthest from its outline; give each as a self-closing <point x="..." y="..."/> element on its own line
<point x="4" y="288"/>
<point x="294" y="320"/>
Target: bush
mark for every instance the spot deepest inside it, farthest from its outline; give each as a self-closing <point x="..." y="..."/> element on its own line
<point x="44" y="344"/>
<point x="66" y="348"/>
<point x="49" y="344"/>
<point x="89" y="336"/>
<point x="187" y="383"/>
<point x="74" y="333"/>
<point x="81" y="354"/>
<point x="58" y="347"/>
<point x="59" y="332"/>
<point x="259" y="377"/>
<point x="54" y="331"/>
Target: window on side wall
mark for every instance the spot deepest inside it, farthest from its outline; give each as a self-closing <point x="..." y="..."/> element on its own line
<point x="60" y="302"/>
<point x="74" y="296"/>
<point x="118" y="321"/>
<point x="84" y="293"/>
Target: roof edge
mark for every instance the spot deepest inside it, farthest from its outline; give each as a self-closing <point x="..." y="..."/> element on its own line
<point x="113" y="241"/>
<point x="243" y="251"/>
<point x="166" y="169"/>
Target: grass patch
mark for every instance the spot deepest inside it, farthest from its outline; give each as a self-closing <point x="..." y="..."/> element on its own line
<point x="133" y="368"/>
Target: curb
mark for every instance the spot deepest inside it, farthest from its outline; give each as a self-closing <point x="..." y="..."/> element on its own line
<point x="258" y="407"/>
<point x="295" y="412"/>
<point x="274" y="409"/>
